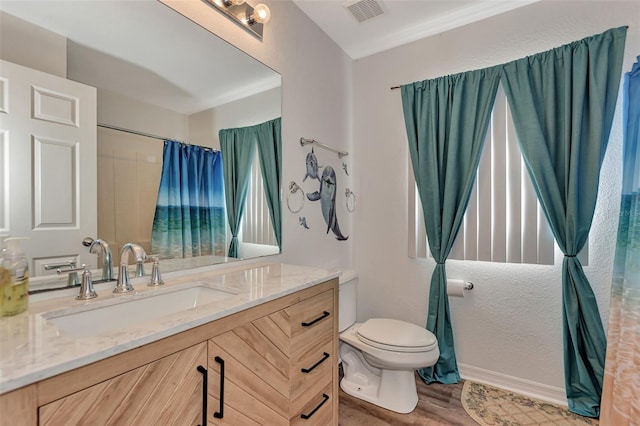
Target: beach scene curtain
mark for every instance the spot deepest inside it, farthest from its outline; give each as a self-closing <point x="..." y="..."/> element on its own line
<point x="621" y="392"/>
<point x="190" y="217"/>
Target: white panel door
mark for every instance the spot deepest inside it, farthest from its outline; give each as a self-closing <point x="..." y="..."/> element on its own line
<point x="48" y="183"/>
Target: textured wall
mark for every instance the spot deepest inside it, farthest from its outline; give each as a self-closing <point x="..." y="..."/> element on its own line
<point x="510" y="324"/>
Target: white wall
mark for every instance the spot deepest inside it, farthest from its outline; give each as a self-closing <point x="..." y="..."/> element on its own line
<point x="316" y="93"/>
<point x="510" y="324"/>
<point x="255" y="109"/>
<point x="39" y="49"/>
<point x="128" y="113"/>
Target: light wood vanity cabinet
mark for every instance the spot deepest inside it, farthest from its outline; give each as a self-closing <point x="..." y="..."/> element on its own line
<point x="280" y="368"/>
<point x="276" y="370"/>
<point x="163" y="392"/>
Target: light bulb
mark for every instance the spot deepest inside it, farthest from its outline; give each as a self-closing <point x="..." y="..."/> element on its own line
<point x="261" y="14"/>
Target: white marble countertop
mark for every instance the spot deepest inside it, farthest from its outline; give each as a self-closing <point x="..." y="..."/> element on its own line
<point x="32" y="348"/>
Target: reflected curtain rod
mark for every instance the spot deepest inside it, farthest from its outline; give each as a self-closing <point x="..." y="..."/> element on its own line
<point x="304" y="141"/>
<point x="149" y="135"/>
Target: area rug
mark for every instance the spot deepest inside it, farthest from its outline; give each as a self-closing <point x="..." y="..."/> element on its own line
<point x="490" y="406"/>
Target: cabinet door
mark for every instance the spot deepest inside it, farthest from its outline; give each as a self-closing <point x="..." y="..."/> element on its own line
<point x="249" y="374"/>
<point x="168" y="391"/>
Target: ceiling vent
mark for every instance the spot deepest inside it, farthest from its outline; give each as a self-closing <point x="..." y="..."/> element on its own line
<point x="364" y="10"/>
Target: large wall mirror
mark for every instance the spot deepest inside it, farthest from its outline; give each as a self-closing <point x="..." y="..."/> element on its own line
<point x="157" y="76"/>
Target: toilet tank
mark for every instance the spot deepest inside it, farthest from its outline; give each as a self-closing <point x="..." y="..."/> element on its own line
<point x="347" y="299"/>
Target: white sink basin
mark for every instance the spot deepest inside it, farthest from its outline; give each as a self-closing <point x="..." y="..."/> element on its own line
<point x="138" y="309"/>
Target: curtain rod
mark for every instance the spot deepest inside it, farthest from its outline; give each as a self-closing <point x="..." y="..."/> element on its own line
<point x="304" y="142"/>
<point x="149" y="135"/>
<point x="395" y="87"/>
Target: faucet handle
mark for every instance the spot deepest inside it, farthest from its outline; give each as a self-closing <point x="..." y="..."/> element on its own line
<point x="86" y="291"/>
<point x="73" y="280"/>
<point x="140" y="268"/>
<point x="86" y="286"/>
<point x="155" y="280"/>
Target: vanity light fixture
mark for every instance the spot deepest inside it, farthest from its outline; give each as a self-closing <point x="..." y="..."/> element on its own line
<point x="250" y="18"/>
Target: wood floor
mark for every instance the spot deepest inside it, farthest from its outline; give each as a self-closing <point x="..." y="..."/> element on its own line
<point x="438" y="404"/>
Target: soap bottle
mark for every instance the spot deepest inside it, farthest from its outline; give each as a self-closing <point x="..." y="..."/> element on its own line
<point x="14" y="278"/>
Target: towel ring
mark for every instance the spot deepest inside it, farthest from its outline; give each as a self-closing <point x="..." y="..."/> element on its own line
<point x="294" y="188"/>
<point x="351" y="200"/>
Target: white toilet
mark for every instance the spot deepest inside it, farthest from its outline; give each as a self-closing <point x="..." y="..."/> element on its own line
<point x="379" y="356"/>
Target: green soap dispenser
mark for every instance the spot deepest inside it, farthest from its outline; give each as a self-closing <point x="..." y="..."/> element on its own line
<point x="14" y="278"/>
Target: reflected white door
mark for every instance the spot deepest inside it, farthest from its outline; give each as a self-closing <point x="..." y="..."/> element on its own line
<point x="48" y="163"/>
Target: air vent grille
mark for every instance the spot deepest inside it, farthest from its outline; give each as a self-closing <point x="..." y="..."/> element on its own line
<point x="364" y="10"/>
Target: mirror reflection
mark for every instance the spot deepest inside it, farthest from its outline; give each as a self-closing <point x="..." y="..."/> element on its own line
<point x="124" y="84"/>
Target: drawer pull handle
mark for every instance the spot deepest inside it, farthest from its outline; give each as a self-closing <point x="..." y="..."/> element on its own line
<point x="205" y="375"/>
<point x="220" y="414"/>
<point x="321" y="317"/>
<point x="308" y="416"/>
<point x="309" y="370"/>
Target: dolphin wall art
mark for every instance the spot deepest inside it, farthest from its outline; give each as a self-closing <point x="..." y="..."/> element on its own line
<point x="327" y="197"/>
<point x="312" y="166"/>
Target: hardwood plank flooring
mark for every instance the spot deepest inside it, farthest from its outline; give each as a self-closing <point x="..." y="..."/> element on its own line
<point x="438" y="404"/>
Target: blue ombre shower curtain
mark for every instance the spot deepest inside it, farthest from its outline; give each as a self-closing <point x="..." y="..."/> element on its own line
<point x="190" y="218"/>
<point x="621" y="389"/>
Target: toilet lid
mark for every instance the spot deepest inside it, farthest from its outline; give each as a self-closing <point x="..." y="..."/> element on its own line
<point x="396" y="335"/>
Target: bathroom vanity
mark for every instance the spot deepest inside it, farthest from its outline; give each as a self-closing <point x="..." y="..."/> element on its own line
<point x="259" y="347"/>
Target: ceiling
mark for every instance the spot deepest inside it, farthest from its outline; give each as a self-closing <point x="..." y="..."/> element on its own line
<point x="144" y="50"/>
<point x="401" y="21"/>
<point x="140" y="48"/>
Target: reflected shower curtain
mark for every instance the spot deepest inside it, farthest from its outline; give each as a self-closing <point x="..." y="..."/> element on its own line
<point x="621" y="392"/>
<point x="562" y="102"/>
<point x="190" y="211"/>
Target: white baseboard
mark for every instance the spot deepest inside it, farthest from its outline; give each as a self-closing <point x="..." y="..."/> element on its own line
<point x="531" y="389"/>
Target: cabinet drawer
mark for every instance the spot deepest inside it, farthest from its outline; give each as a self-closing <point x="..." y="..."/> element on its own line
<point x="317" y="409"/>
<point x="310" y="319"/>
<point x="312" y="365"/>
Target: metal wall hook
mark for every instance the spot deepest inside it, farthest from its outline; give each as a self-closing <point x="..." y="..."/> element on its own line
<point x="294" y="188"/>
<point x="351" y="200"/>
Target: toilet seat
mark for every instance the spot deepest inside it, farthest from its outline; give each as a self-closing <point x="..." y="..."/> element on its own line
<point x="395" y="335"/>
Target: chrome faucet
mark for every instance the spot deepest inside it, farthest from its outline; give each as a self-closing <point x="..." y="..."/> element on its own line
<point x="102" y="246"/>
<point x="123" y="285"/>
<point x="70" y="266"/>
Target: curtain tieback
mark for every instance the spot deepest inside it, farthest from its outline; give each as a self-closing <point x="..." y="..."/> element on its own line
<point x="569" y="255"/>
<point x="439" y="263"/>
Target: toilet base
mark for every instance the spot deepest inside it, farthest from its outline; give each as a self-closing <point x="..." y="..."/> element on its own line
<point x="394" y="390"/>
<point x="401" y="398"/>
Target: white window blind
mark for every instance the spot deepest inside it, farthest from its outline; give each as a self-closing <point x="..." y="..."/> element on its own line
<point x="256" y="225"/>
<point x="504" y="221"/>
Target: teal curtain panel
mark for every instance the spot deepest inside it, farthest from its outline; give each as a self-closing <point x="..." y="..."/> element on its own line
<point x="237" y="146"/>
<point x="270" y="155"/>
<point x="446" y="121"/>
<point x="563" y="102"/>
